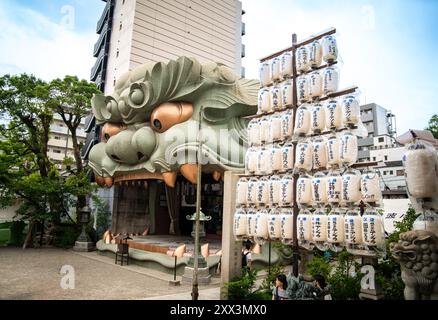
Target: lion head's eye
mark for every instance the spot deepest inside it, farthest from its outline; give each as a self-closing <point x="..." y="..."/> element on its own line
<point x="111" y="129"/>
<point x="169" y="114"/>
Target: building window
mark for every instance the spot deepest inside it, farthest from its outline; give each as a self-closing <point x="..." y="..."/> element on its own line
<point x="117" y="53"/>
<point x="56" y="151"/>
<point x="120" y="27"/>
<point x="384" y="173"/>
<point x="381" y="139"/>
<point x="391" y="172"/>
<point x="386" y="158"/>
<point x="374" y="158"/>
<point x="57" y="138"/>
<point x="400" y="173"/>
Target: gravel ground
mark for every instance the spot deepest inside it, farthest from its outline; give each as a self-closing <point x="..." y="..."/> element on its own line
<point x="35" y="274"/>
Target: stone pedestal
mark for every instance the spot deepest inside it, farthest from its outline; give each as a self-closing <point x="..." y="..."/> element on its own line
<point x="370" y="289"/>
<point x="174" y="283"/>
<point x="231" y="261"/>
<point x="84" y="246"/>
<point x="204" y="276"/>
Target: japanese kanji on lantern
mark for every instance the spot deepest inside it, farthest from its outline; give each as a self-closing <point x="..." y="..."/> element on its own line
<point x="303" y="145"/>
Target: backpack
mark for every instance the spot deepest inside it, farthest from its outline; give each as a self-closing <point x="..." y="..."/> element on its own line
<point x="244" y="262"/>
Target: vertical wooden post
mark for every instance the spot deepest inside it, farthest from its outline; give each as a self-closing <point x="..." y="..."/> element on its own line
<point x="296" y="253"/>
<point x="231" y="261"/>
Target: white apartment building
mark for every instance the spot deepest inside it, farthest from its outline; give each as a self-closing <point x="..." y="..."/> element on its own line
<point x="389" y="155"/>
<point x="60" y="144"/>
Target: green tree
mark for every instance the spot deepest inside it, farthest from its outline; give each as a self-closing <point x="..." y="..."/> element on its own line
<point x="70" y="98"/>
<point x="26" y="173"/>
<point x="433" y="125"/>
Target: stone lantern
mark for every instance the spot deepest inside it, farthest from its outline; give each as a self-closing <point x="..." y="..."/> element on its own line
<point x="84" y="243"/>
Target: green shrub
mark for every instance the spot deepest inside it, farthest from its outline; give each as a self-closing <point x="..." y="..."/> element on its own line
<point x="319" y="265"/>
<point x="65" y="235"/>
<point x="344" y="285"/>
<point x="241" y="287"/>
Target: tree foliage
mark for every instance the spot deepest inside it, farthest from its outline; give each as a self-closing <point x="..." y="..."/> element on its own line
<point x="433" y="125"/>
<point x="27" y="176"/>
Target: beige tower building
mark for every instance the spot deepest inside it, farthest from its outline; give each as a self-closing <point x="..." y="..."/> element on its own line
<point x="133" y="32"/>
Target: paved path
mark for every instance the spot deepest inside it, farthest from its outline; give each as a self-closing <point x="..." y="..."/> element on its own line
<point x="34" y="274"/>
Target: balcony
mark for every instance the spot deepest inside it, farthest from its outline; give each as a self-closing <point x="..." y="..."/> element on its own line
<point x="98" y="65"/>
<point x="89" y="123"/>
<point x="102" y="40"/>
<point x="368" y="141"/>
<point x="367" y="116"/>
<point x="103" y="17"/>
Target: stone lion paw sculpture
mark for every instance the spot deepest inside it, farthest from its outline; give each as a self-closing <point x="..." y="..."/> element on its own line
<point x="417" y="252"/>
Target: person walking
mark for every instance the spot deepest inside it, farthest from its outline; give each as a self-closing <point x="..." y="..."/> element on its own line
<point x="246" y="256"/>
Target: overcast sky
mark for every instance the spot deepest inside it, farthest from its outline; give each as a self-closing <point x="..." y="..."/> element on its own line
<point x="388" y="47"/>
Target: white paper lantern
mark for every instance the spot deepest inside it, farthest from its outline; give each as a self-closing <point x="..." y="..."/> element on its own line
<point x="265" y="101"/>
<point x="261" y="224"/>
<point x="315" y="85"/>
<point x="242" y="191"/>
<point x="315" y="54"/>
<point x="421" y="165"/>
<point x="319" y="226"/>
<point x="329" y="49"/>
<point x="330" y="81"/>
<point x="302" y="89"/>
<point x="265" y="74"/>
<point x="287" y="224"/>
<point x="348" y="148"/>
<point x="319" y="154"/>
<point x="254" y="133"/>
<point x="350" y="111"/>
<point x="240" y="223"/>
<point x="262" y="192"/>
<point x="317" y="118"/>
<point x="287" y="124"/>
<point x="319" y="190"/>
<point x="304" y="190"/>
<point x="274" y="224"/>
<point x="353" y="228"/>
<point x="265" y="130"/>
<point x="276" y="98"/>
<point x="251" y="160"/>
<point x="287" y="157"/>
<point x="287" y="93"/>
<point x="333" y="115"/>
<point x="251" y="195"/>
<point x="302" y="120"/>
<point x="286" y="191"/>
<point x="428" y="221"/>
<point x="303" y="156"/>
<point x="275" y="127"/>
<point x="333" y="151"/>
<point x="370" y="187"/>
<point x="274" y="190"/>
<point x="275" y="69"/>
<point x="334" y="187"/>
<point x="276" y="160"/>
<point x="351" y="187"/>
<point x="303" y="63"/>
<point x="335" y="227"/>
<point x="286" y="65"/>
<point x="264" y="161"/>
<point x="304" y="226"/>
<point x="251" y="223"/>
<point x="372" y="229"/>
